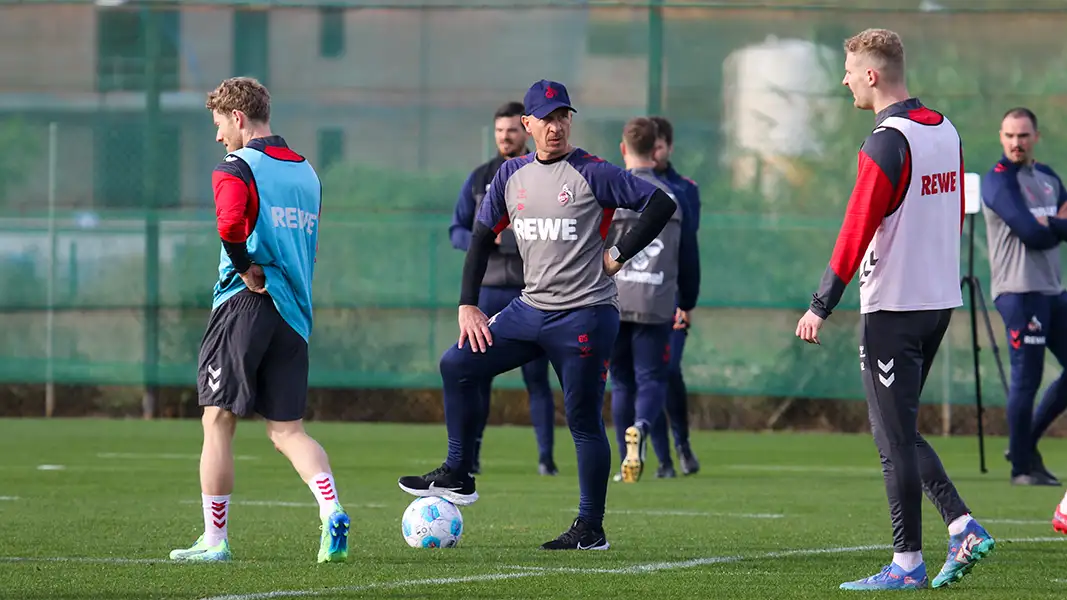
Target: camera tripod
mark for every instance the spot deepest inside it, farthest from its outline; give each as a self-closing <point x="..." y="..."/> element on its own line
<point x="975" y="295"/>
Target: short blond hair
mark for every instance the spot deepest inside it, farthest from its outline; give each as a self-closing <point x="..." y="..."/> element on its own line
<point x="245" y="94"/>
<point x="884" y="47"/>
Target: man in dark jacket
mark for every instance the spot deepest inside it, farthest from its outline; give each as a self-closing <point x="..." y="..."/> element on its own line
<point x="504" y="281"/>
<point x="677" y="407"/>
<point x="1022" y="203"/>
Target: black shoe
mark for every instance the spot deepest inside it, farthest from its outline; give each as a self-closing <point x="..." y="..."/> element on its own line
<point x="1033" y="479"/>
<point x="457" y="488"/>
<point x="666" y="472"/>
<point x="547" y="467"/>
<point x="579" y="537"/>
<point x="1037" y="468"/>
<point x="690" y="464"/>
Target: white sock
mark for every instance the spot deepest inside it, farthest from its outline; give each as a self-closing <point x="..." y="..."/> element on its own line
<point x="956" y="527"/>
<point x="216" y="515"/>
<point x="909" y="561"/>
<point x="1063" y="504"/>
<point x="326" y="493"/>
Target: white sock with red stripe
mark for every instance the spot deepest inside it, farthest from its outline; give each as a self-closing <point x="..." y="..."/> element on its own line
<point x="216" y="514"/>
<point x="326" y="493"/>
<point x="1063" y="505"/>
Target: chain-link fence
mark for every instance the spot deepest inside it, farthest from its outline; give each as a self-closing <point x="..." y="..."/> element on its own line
<point x="106" y="212"/>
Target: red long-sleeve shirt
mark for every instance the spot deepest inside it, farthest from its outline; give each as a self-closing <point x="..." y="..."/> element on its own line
<point x="882" y="180"/>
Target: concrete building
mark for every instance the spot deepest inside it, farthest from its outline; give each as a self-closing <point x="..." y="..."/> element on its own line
<point x="401" y="88"/>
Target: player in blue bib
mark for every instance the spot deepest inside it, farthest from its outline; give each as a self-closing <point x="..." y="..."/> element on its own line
<point x="254" y="354"/>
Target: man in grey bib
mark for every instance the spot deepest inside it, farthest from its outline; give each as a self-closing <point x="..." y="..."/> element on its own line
<point x="648" y="287"/>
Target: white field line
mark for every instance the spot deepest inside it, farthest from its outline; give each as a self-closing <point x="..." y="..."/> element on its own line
<point x="162" y="456"/>
<point x="8" y="498"/>
<point x="84" y="559"/>
<point x="1017" y="521"/>
<point x="288" y="504"/>
<point x="388" y="585"/>
<point x="873" y="470"/>
<point x="533" y="571"/>
<point x="688" y="513"/>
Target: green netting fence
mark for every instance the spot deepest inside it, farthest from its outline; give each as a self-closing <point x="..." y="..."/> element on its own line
<point x="107" y="246"/>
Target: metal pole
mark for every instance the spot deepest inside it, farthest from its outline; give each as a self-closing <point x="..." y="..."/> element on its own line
<point x="655" y="56"/>
<point x="431" y="294"/>
<point x="424" y="59"/>
<point x="975" y="349"/>
<point x="50" y="388"/>
<point x="151" y="205"/>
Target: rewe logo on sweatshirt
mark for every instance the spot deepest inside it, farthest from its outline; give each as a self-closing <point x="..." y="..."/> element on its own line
<point x="557" y="229"/>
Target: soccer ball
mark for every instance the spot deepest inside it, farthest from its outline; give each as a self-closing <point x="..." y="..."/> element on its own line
<point x="432" y="523"/>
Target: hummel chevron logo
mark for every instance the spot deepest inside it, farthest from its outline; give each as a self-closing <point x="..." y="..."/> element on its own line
<point x="325" y="489"/>
<point x="213" y="380"/>
<point x="886" y="368"/>
<point x="218" y="511"/>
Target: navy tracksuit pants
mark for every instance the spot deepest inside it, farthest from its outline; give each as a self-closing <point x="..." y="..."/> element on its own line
<point x="639" y="373"/>
<point x="677" y="408"/>
<point x="578" y="344"/>
<point x="1033" y="321"/>
<point x="492" y="300"/>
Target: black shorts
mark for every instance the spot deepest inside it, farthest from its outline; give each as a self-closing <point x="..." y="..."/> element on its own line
<point x="252" y="360"/>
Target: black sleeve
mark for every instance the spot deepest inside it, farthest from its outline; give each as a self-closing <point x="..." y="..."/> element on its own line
<point x="688" y="269"/>
<point x="482" y="241"/>
<point x="238" y="253"/>
<point x="508" y="243"/>
<point x="653" y="219"/>
<point x="1058" y="226"/>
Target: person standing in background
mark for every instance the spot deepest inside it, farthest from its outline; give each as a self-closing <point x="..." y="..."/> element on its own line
<point x="503" y="283"/>
<point x="1021" y="199"/>
<point x="676" y="410"/>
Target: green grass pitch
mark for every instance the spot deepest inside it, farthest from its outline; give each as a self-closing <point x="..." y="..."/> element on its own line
<point x="90" y="509"/>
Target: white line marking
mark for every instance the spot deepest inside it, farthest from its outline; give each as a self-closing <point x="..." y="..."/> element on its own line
<point x="698" y="562"/>
<point x="165" y="456"/>
<point x="535" y="571"/>
<point x="287" y="504"/>
<point x="84" y="559"/>
<point x="50" y="467"/>
<point x="808" y="469"/>
<point x="9" y="498"/>
<point x="690" y="513"/>
<point x="1018" y="521"/>
<point x="388" y="585"/>
<point x="433" y="463"/>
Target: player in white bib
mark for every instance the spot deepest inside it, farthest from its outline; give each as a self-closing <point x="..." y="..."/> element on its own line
<point x="902" y="233"/>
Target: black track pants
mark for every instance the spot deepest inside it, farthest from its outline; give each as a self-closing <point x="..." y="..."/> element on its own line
<point x="896" y="354"/>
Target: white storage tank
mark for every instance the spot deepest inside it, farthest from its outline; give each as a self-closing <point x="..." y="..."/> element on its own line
<point x="777" y="96"/>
